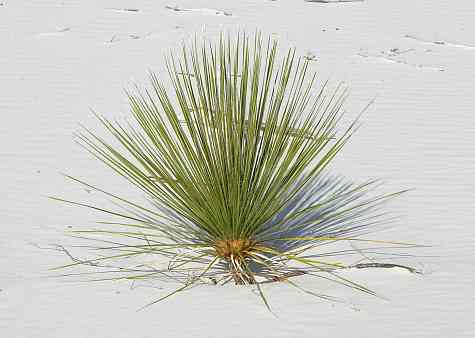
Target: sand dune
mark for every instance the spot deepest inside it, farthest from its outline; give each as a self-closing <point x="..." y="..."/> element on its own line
<point x="59" y="59"/>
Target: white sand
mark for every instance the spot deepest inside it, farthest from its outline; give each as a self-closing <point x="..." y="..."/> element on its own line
<point x="60" y="58"/>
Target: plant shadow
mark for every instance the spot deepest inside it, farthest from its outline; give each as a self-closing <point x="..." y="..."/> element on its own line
<point x="327" y="207"/>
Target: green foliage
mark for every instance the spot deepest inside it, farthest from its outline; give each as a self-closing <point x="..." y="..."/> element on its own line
<point x="232" y="164"/>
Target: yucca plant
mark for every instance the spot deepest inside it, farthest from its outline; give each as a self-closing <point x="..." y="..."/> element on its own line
<point x="233" y="167"/>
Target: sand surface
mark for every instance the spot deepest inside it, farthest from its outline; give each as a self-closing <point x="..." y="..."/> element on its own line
<point x="58" y="59"/>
